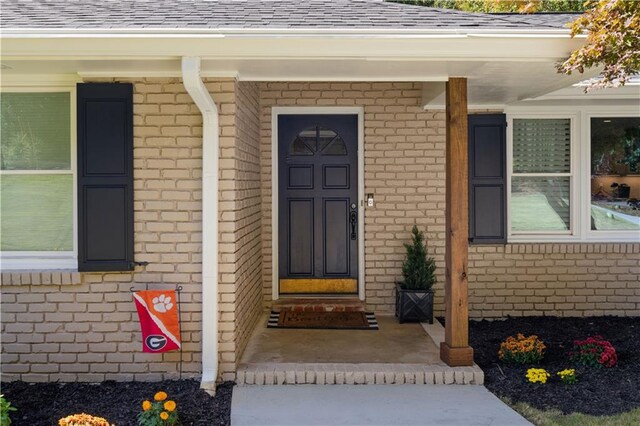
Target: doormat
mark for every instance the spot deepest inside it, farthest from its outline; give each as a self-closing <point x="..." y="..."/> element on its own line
<point x="323" y="320"/>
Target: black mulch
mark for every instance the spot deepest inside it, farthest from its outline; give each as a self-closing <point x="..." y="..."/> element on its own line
<point x="603" y="391"/>
<point x="118" y="402"/>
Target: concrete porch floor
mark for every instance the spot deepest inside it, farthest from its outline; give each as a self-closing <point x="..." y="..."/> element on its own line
<point x="394" y="354"/>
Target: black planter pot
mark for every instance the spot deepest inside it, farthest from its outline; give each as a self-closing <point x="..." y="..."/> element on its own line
<point x="414" y="305"/>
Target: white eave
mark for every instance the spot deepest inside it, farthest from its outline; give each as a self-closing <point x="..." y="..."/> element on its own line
<point x="502" y="65"/>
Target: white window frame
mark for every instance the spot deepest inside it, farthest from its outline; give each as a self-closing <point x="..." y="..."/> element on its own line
<point x="580" y="186"/>
<point x="605" y="235"/>
<point x="546" y="236"/>
<point x="48" y="260"/>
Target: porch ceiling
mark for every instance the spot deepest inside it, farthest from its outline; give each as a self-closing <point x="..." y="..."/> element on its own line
<point x="492" y="83"/>
<point x="502" y="66"/>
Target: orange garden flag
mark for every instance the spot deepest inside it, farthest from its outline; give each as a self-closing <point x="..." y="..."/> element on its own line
<point x="158" y="313"/>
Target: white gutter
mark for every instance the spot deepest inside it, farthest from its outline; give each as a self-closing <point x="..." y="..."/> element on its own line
<point x="281" y="32"/>
<point x="210" y="158"/>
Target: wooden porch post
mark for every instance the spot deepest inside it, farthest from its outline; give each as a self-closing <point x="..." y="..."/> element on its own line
<point x="455" y="350"/>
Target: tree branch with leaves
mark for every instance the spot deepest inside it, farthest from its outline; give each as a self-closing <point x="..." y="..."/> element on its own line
<point x="612" y="28"/>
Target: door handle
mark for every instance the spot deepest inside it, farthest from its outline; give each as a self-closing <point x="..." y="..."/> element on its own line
<point x="353" y="220"/>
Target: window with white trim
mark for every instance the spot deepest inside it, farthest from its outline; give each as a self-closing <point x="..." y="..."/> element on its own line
<point x="614" y="153"/>
<point x="541" y="176"/>
<point x="37" y="171"/>
<point x="574" y="174"/>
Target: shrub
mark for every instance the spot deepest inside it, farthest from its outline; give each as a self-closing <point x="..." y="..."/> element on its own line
<point x="568" y="376"/>
<point x="418" y="269"/>
<point x="537" y="375"/>
<point x="5" y="408"/>
<point x="594" y="351"/>
<point x="160" y="412"/>
<point x="82" y="420"/>
<point x="522" y="350"/>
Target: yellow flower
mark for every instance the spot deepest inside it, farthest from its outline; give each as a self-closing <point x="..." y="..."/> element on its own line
<point x="164" y="415"/>
<point x="146" y="405"/>
<point x="170" y="405"/>
<point x="568" y="372"/>
<point x="160" y="396"/>
<point x="535" y="375"/>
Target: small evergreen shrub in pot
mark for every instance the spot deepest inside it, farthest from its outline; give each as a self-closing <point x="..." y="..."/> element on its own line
<point x="414" y="296"/>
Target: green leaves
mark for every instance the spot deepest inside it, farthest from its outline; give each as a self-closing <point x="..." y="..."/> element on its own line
<point x="612" y="28"/>
<point x="5" y="408"/>
<point x="418" y="270"/>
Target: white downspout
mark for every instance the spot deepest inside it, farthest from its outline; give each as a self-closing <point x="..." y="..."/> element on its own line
<point x="210" y="158"/>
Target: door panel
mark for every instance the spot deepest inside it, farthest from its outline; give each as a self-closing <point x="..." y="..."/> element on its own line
<point x="301" y="237"/>
<point x="336" y="237"/>
<point x="317" y="171"/>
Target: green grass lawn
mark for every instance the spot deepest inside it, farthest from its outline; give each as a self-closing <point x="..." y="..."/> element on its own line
<point x="556" y="418"/>
<point x="36" y="213"/>
<point x="532" y="212"/>
<point x="608" y="220"/>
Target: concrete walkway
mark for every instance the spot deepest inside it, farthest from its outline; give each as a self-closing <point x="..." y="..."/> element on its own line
<point x="370" y="405"/>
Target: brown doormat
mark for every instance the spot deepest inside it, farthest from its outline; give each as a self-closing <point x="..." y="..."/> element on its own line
<point x="323" y="320"/>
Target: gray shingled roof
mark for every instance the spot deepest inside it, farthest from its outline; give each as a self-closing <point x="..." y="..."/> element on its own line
<point x="221" y="14"/>
<point x="558" y="20"/>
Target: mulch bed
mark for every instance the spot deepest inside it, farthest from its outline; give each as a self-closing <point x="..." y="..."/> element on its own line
<point x="603" y="391"/>
<point x="118" y="402"/>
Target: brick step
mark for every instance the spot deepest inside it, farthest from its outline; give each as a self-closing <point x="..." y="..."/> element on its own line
<point x="356" y="374"/>
<point x="319" y="305"/>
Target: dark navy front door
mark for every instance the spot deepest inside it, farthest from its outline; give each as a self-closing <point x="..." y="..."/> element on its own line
<point x="318" y="203"/>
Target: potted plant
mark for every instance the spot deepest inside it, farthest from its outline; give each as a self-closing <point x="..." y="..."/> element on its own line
<point x="414" y="296"/>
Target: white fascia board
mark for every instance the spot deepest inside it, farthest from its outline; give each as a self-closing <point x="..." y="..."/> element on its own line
<point x="280" y="32"/>
<point x="410" y="48"/>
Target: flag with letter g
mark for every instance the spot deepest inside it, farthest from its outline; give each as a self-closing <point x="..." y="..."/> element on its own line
<point x="158" y="313"/>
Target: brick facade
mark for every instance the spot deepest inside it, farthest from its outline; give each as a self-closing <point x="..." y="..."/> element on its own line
<point x="70" y="326"/>
<point x="241" y="242"/>
<point x="405" y="170"/>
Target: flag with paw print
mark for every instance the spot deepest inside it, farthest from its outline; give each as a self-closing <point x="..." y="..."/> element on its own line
<point x="158" y="313"/>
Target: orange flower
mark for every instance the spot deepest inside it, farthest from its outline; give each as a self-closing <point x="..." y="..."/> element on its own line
<point x="164" y="415"/>
<point x="160" y="396"/>
<point x="170" y="405"/>
<point x="146" y="405"/>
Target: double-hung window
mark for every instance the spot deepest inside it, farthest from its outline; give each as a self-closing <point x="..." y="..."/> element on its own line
<point x="37" y="179"/>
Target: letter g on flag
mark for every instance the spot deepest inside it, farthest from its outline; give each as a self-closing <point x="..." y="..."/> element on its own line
<point x="155" y="342"/>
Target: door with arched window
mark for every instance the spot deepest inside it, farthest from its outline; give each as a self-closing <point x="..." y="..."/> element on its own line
<point x="318" y="204"/>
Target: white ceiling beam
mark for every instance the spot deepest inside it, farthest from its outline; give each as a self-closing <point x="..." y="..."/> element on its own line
<point x="433" y="95"/>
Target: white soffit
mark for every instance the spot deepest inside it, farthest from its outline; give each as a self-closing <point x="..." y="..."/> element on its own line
<point x="501" y="68"/>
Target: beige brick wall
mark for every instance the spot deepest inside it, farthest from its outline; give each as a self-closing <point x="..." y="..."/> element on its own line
<point x="554" y="279"/>
<point x="405" y="170"/>
<point x="87" y="329"/>
<point x="241" y="242"/>
<point x="71" y="326"/>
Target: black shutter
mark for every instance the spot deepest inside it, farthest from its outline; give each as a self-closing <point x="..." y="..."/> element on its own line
<point x="105" y="177"/>
<point x="487" y="179"/>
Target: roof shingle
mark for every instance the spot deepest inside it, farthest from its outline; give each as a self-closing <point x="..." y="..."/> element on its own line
<point x="256" y="14"/>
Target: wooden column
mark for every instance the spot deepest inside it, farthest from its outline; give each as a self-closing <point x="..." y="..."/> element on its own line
<point x="455" y="350"/>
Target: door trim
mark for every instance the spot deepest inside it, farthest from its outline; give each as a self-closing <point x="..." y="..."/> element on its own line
<point x="275" y="112"/>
